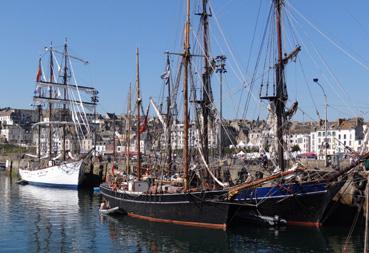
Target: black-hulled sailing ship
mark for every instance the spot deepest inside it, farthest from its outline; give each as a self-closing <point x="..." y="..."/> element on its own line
<point x="295" y="195"/>
<point x="162" y="202"/>
<point x="291" y="196"/>
<point x="65" y="125"/>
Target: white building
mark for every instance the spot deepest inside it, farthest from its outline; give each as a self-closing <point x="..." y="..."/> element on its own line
<point x="193" y="138"/>
<point x="341" y="135"/>
<point x="300" y="139"/>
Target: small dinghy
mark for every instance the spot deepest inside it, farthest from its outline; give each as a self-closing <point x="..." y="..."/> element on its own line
<point x="21" y="182"/>
<point x="109" y="211"/>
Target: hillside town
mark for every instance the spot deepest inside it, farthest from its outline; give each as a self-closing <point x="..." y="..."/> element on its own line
<point x="304" y="139"/>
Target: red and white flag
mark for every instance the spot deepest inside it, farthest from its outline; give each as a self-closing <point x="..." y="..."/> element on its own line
<point x="39" y="71"/>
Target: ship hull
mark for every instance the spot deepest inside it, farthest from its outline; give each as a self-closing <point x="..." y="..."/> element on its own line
<point x="66" y="175"/>
<point x="197" y="209"/>
<point x="296" y="204"/>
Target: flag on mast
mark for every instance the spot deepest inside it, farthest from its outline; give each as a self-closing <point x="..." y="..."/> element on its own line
<point x="39" y="72"/>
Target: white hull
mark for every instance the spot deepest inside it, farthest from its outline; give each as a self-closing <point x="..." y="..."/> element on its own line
<point x="65" y="175"/>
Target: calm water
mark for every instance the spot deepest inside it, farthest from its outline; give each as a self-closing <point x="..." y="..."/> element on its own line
<point x="37" y="219"/>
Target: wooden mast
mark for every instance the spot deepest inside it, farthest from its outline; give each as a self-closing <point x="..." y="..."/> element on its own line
<point x="65" y="81"/>
<point x="281" y="97"/>
<point x="128" y="130"/>
<point x="186" y="59"/>
<point x="114" y="141"/>
<point x="169" y="121"/>
<point x="138" y="105"/>
<point x="206" y="81"/>
<point x="39" y="110"/>
<point x="50" y="96"/>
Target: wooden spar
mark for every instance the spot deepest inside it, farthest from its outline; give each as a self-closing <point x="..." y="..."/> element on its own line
<point x="39" y="109"/>
<point x="329" y="178"/>
<point x="206" y="81"/>
<point x="186" y="59"/>
<point x="280" y="96"/>
<point x="128" y="130"/>
<point x="236" y="189"/>
<point x="114" y="142"/>
<point x="169" y="121"/>
<point x="138" y="101"/>
<point x="65" y="81"/>
<point x="50" y="97"/>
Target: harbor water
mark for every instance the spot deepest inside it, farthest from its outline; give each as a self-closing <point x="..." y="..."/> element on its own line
<point x="36" y="219"/>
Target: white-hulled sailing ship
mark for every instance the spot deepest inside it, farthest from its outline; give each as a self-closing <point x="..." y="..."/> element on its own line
<point x="64" y="126"/>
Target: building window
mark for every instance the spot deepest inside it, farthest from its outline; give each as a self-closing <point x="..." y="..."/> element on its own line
<point x="319" y="133"/>
<point x="339" y="137"/>
<point x="344" y="136"/>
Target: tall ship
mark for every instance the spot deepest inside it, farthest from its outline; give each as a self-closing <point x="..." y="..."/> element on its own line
<point x="189" y="189"/>
<point x="161" y="200"/>
<point x="66" y="111"/>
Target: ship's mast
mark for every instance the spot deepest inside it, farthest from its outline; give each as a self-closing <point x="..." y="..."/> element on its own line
<point x="114" y="141"/>
<point x="39" y="110"/>
<point x="169" y="122"/>
<point x="128" y="130"/>
<point x="138" y="101"/>
<point x="206" y="81"/>
<point x="65" y="82"/>
<point x="50" y="97"/>
<point x="281" y="97"/>
<point x="186" y="59"/>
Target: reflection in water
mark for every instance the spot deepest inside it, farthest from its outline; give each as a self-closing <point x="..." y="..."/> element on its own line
<point x="51" y="220"/>
<point x="156" y="237"/>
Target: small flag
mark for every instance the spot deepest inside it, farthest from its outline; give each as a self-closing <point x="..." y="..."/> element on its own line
<point x="112" y="169"/>
<point x="39" y="71"/>
<point x="143" y="126"/>
<point x="166" y="75"/>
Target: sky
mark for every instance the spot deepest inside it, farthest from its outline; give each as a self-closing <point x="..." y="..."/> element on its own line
<point x="333" y="34"/>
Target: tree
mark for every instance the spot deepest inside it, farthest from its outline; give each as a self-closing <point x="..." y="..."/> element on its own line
<point x="295" y="148"/>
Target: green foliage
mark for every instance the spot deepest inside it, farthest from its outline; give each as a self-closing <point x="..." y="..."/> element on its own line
<point x="295" y="148"/>
<point x="6" y="149"/>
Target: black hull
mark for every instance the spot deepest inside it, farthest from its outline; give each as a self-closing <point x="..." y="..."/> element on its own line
<point x="304" y="208"/>
<point x="200" y="209"/>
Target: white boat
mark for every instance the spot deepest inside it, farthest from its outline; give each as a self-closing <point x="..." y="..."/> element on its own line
<point x="64" y="175"/>
<point x="109" y="211"/>
<point x="62" y="127"/>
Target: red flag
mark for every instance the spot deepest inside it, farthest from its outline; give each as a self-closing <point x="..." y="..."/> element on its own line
<point x="112" y="169"/>
<point x="39" y="71"/>
<point x="143" y="126"/>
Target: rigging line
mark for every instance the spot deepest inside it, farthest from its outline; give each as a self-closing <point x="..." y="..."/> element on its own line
<point x="331" y="40"/>
<point x="257" y="62"/>
<point x="223" y="7"/>
<point x="357" y="21"/>
<point x="300" y="62"/>
<point x="340" y="111"/>
<point x="228" y="46"/>
<point x="308" y="87"/>
<point x="328" y="69"/>
<point x="338" y="83"/>
<point x="253" y="37"/>
<point x="230" y="66"/>
<point x="214" y="106"/>
<point x="84" y="118"/>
